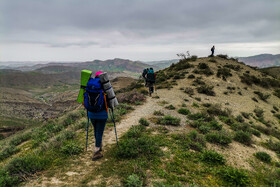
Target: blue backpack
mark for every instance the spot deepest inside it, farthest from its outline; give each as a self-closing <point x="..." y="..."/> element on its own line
<point x="151" y="76"/>
<point x="94" y="100"/>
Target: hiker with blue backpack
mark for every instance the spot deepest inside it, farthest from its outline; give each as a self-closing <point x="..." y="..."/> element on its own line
<point x="97" y="110"/>
<point x="150" y="80"/>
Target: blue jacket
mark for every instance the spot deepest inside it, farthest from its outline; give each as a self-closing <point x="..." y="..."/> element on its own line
<point x="98" y="115"/>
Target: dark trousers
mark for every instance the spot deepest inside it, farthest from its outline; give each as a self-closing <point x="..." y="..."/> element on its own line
<point x="151" y="90"/>
<point x="212" y="53"/>
<point x="99" y="126"/>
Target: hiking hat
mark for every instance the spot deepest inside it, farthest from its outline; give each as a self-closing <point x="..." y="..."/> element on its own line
<point x="98" y="73"/>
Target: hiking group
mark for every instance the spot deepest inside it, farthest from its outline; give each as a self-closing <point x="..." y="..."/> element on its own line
<point x="150" y="79"/>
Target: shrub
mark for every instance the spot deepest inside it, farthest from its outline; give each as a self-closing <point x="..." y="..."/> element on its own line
<point x="277" y="116"/>
<point x="275" y="108"/>
<point x="243" y="137"/>
<point x="133" y="181"/>
<point x="259" y="112"/>
<point x="23" y="167"/>
<point x="195" y="137"/>
<point x="223" y="56"/>
<point x="169" y="120"/>
<point x="212" y="157"/>
<point x="202" y="65"/>
<point x="71" y="148"/>
<point x="200" y="116"/>
<point x="144" y="91"/>
<point x="262" y="96"/>
<point x="212" y="60"/>
<point x="193" y="140"/>
<point x="215" y="125"/>
<point x="255" y="99"/>
<point x="239" y="118"/>
<point x="245" y="115"/>
<point x="207" y="90"/>
<point x="146" y="145"/>
<point x="277" y="92"/>
<point x="66" y="135"/>
<point x="255" y="132"/>
<point x="182" y="64"/>
<point x="184" y="111"/>
<point x="191" y="76"/>
<point x="204" y="129"/>
<point x="170" y="107"/>
<point x="227" y="120"/>
<point x="207" y="104"/>
<point x="20" y="138"/>
<point x="158" y="113"/>
<point x="189" y="91"/>
<point x="263" y="156"/>
<point x="8" y="151"/>
<point x="74" y="116"/>
<point x="131" y="97"/>
<point x="198" y="81"/>
<point x="219" y="138"/>
<point x="233" y="67"/>
<point x="234" y="176"/>
<point x="274" y="146"/>
<point x="193" y="58"/>
<point x="143" y="121"/>
<point x="216" y="110"/>
<point x="7" y="180"/>
<point x="54" y="128"/>
<point x="224" y="73"/>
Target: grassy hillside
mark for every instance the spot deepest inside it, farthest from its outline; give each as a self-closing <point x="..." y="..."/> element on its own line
<point x="272" y="71"/>
<point x="212" y="122"/>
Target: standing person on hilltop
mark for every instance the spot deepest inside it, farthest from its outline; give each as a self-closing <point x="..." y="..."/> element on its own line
<point x="213" y="50"/>
<point x="99" y="114"/>
<point x="150" y="80"/>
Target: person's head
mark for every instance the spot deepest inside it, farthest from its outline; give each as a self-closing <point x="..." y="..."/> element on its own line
<point x="147" y="68"/>
<point x="151" y="68"/>
<point x="98" y="73"/>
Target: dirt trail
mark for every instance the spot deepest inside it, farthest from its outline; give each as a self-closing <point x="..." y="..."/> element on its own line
<point x="72" y="174"/>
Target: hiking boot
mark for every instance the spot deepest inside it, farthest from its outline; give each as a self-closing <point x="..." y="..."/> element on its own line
<point x="97" y="155"/>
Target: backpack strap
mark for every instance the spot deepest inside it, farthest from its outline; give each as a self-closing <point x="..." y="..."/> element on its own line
<point x="105" y="102"/>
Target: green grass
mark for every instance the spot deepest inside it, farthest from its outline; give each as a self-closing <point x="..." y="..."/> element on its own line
<point x="219" y="138"/>
<point x="213" y="158"/>
<point x="143" y="121"/>
<point x="184" y="111"/>
<point x="169" y="120"/>
<point x="263" y="156"/>
<point x="243" y="137"/>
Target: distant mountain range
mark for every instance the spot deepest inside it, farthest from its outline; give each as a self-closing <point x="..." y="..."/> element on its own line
<point x="113" y="65"/>
<point x="262" y="60"/>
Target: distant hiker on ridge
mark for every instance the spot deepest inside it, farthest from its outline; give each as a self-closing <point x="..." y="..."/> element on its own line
<point x="150" y="80"/>
<point x="212" y="50"/>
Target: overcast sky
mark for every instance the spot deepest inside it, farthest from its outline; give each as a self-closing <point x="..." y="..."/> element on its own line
<point x="82" y="30"/>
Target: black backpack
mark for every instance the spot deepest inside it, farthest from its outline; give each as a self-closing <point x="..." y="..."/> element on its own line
<point x="151" y="76"/>
<point x="144" y="73"/>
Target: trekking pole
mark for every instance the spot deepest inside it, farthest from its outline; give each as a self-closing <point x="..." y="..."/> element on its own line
<point x="113" y="119"/>
<point x="87" y="130"/>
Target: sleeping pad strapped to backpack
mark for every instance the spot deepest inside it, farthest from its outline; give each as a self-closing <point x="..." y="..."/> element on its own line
<point x="94" y="100"/>
<point x="151" y="76"/>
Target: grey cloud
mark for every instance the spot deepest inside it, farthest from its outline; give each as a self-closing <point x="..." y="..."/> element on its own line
<point x="64" y="23"/>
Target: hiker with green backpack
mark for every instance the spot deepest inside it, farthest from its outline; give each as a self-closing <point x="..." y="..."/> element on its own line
<point x="97" y="95"/>
<point x="150" y="80"/>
